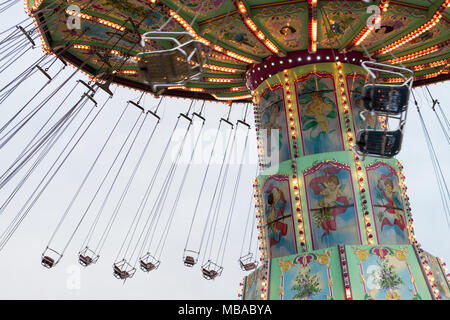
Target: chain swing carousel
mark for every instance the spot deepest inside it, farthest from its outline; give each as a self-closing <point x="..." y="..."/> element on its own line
<point x="330" y="83"/>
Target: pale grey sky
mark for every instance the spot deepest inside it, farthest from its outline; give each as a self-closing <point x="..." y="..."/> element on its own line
<point x="26" y="279"/>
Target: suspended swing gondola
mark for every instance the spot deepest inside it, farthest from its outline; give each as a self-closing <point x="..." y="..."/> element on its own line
<point x="123" y="270"/>
<point x="86" y="257"/>
<point x="213" y="267"/>
<point x="50" y="258"/>
<point x="94" y="254"/>
<point x="190" y="258"/>
<point x="172" y="67"/>
<point x="176" y="66"/>
<point x="248" y="262"/>
<point x="149" y="263"/>
<point x="211" y="270"/>
<point x="387" y="102"/>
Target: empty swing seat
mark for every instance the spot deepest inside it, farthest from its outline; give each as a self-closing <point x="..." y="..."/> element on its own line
<point x="86" y="257"/>
<point x="386" y="99"/>
<point x="210" y="270"/>
<point x="189" y="261"/>
<point x="181" y="63"/>
<point x="47" y="262"/>
<point x="247" y="262"/>
<point x="84" y="260"/>
<point x="167" y="67"/>
<point x="147" y="266"/>
<point x="149" y="263"/>
<point x="248" y="266"/>
<point x="121" y="274"/>
<point x="123" y="270"/>
<point x="380" y="143"/>
<point x="209" y="274"/>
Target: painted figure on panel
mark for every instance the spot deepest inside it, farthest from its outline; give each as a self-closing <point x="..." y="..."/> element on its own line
<point x="273" y="121"/>
<point x="276" y="201"/>
<point x="285" y="23"/>
<point x="387" y="204"/>
<point x="321" y="130"/>
<point x="355" y="85"/>
<point x="331" y="206"/>
<point x="319" y="110"/>
<point x="278" y="214"/>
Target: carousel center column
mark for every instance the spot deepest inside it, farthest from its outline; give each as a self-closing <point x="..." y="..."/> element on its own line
<point x="325" y="217"/>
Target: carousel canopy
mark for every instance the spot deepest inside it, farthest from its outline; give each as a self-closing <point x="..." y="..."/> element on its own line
<point x="240" y="37"/>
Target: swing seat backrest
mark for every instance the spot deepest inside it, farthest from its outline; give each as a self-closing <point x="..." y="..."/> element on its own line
<point x="373" y="142"/>
<point x="385" y="99"/>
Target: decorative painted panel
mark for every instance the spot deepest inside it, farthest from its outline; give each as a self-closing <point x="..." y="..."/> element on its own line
<point x="439" y="276"/>
<point x="387" y="204"/>
<point x="395" y="21"/>
<point x="339" y="23"/>
<point x="355" y="84"/>
<point x="274" y="126"/>
<point x="309" y="276"/>
<point x="278" y="216"/>
<point x="385" y="273"/>
<point x="330" y="199"/>
<point x="253" y="285"/>
<point x="285" y="23"/>
<point x="319" y="116"/>
<point x="232" y="31"/>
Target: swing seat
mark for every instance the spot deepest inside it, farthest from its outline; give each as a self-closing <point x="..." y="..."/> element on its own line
<point x="380" y="143"/>
<point x="247" y="262"/>
<point x="168" y="67"/>
<point x="50" y="258"/>
<point x="123" y="270"/>
<point x="87" y="257"/>
<point x="148" y="263"/>
<point x="84" y="260"/>
<point x="190" y="258"/>
<point x="209" y="274"/>
<point x="121" y="274"/>
<point x="171" y="67"/>
<point x="189" y="261"/>
<point x="210" y="270"/>
<point x="248" y="266"/>
<point x="385" y="99"/>
<point x="147" y="267"/>
<point x="48" y="262"/>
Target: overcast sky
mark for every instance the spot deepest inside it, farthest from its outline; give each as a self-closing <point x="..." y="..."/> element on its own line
<point x="20" y="259"/>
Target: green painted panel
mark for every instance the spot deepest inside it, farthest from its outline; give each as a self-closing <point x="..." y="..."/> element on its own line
<point x="314" y="275"/>
<point x="386" y="273"/>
